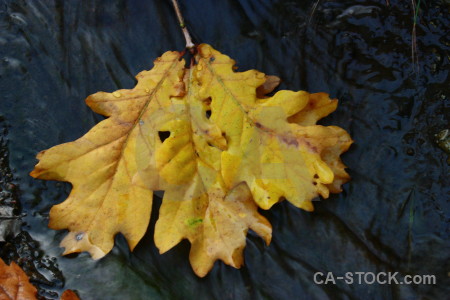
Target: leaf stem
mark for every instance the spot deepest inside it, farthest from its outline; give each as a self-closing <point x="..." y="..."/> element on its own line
<point x="414" y="57"/>
<point x="189" y="44"/>
<point x="312" y="11"/>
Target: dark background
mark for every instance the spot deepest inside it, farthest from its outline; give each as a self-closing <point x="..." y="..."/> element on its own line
<point x="393" y="215"/>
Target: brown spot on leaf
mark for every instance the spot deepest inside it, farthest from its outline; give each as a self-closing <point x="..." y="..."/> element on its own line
<point x="180" y="89"/>
<point x="291" y="141"/>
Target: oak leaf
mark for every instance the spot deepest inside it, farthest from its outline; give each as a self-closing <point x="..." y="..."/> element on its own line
<point x="213" y="141"/>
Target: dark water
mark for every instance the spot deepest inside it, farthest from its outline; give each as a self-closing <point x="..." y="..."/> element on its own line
<point x="393" y="216"/>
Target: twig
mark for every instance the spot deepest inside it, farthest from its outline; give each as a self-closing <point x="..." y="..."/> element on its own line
<point x="189" y="44"/>
<point x="313" y="11"/>
<point x="414" y="57"/>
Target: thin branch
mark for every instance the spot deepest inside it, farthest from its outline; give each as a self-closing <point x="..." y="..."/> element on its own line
<point x="414" y="57"/>
<point x="313" y="11"/>
<point x="189" y="44"/>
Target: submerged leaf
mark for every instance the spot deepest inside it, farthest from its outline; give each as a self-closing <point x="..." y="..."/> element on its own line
<point x="213" y="141"/>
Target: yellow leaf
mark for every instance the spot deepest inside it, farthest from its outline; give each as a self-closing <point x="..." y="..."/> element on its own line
<point x="103" y="166"/>
<point x="273" y="143"/>
<point x="213" y="141"/>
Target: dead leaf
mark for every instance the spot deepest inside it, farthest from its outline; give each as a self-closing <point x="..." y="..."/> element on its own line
<point x="69" y="295"/>
<point x="9" y="223"/>
<point x="14" y="283"/>
<point x="213" y="141"/>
